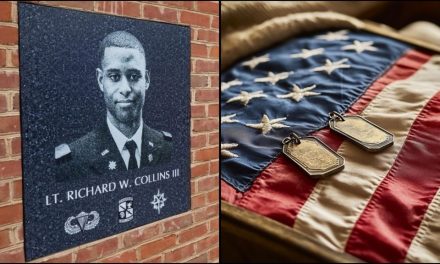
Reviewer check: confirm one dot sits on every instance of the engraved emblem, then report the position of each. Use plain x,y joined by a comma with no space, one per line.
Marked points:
83,221
126,209
158,201
112,165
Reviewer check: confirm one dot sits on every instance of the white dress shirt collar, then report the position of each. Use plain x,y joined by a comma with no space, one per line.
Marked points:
120,140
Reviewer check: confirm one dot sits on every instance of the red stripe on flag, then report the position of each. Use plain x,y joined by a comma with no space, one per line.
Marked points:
393,215
281,189
228,193
402,69
289,186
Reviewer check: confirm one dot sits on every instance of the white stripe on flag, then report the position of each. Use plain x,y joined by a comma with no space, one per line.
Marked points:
425,246
336,202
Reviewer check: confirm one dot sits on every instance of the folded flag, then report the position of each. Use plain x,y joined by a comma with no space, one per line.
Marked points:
293,87
383,206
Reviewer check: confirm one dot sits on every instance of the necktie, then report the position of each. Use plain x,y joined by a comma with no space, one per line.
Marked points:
131,146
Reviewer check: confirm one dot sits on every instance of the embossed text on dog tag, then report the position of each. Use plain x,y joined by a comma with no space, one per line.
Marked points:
312,155
366,134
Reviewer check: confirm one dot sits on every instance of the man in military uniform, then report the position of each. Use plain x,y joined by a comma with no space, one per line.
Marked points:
123,141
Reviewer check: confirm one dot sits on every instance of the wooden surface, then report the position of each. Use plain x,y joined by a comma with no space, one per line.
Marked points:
249,237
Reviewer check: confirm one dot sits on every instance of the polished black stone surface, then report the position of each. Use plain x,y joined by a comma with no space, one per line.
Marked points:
61,101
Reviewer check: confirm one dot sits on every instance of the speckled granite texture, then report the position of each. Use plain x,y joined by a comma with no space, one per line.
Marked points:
61,101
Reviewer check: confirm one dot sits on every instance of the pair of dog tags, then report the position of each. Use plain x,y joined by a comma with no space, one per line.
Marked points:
318,160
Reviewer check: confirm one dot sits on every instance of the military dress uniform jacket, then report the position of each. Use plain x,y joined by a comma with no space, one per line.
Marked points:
96,153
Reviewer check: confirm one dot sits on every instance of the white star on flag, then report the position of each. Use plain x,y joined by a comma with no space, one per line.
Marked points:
227,85
336,35
330,66
245,97
274,78
359,47
158,201
266,125
228,119
305,53
297,93
225,152
255,61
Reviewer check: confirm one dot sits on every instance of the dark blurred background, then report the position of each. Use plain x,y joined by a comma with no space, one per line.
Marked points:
398,14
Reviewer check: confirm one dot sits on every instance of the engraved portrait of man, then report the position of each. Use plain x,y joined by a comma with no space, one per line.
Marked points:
122,141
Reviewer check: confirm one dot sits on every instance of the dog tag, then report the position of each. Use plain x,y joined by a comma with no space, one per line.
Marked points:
359,130
312,155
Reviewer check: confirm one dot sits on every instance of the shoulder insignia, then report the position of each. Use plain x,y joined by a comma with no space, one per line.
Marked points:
105,152
62,150
167,136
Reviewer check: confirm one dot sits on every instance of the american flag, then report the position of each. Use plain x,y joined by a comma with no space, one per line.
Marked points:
383,207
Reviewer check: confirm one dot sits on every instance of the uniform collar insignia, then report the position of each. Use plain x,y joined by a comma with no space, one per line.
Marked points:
112,165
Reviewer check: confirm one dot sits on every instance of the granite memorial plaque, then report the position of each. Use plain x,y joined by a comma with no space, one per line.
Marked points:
105,122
